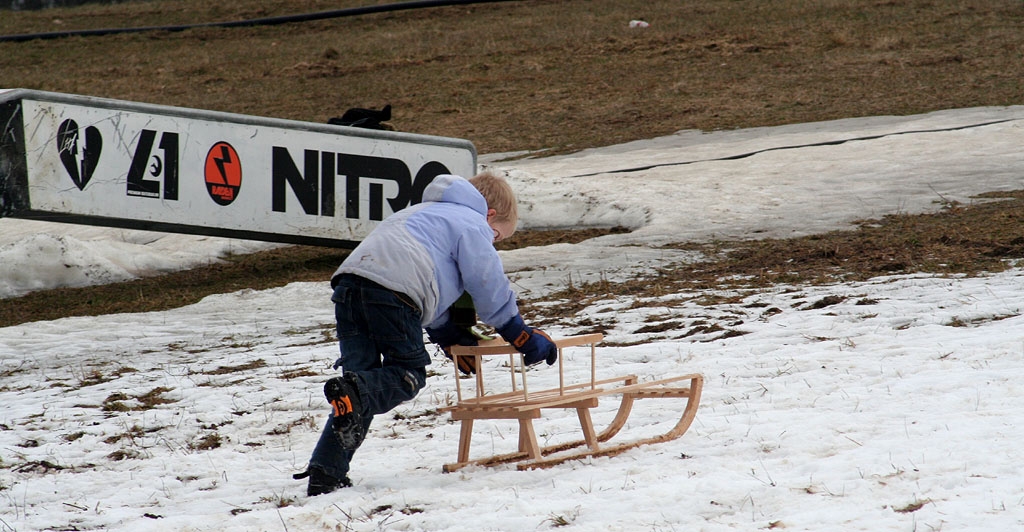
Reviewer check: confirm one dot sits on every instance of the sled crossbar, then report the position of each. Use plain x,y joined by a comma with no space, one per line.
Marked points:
524,405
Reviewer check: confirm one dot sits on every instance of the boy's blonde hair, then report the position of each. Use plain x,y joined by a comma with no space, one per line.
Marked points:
499,196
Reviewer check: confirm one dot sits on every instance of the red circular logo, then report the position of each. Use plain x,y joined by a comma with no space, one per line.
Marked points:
223,173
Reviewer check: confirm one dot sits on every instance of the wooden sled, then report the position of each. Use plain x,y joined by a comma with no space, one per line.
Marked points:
525,405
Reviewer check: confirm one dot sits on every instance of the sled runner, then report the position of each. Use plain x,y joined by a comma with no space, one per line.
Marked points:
525,405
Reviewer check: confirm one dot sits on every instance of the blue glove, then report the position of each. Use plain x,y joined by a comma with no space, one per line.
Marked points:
534,344
449,334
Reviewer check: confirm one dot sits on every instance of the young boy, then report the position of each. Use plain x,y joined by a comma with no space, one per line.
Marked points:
402,278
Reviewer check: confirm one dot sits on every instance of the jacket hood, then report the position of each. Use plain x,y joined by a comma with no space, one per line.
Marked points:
454,189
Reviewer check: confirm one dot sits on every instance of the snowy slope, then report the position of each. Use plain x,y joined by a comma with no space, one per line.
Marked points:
895,407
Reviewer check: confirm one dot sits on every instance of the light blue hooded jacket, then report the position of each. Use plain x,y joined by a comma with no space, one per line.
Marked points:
434,251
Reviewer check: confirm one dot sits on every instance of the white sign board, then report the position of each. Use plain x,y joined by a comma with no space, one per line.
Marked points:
105,162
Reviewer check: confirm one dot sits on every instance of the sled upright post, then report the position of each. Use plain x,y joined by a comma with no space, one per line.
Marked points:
524,406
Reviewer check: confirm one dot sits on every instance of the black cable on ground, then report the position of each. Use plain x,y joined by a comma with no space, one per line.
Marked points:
798,146
267,21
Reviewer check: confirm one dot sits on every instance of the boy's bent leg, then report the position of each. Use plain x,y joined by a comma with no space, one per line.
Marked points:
329,459
384,389
372,321
393,325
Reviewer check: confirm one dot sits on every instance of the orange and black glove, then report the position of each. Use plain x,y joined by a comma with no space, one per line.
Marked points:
447,335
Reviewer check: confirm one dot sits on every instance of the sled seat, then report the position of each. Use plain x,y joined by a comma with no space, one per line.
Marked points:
525,405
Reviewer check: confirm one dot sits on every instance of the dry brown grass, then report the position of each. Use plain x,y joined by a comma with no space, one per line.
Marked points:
987,236
559,76
535,74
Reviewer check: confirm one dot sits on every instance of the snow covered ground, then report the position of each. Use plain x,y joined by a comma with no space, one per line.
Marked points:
891,404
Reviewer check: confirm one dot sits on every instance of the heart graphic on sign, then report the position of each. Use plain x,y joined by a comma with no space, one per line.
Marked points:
80,165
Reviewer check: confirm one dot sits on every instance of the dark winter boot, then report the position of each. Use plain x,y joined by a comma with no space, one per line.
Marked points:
320,482
343,394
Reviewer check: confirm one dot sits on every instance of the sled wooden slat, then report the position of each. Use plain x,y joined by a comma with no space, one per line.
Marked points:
525,406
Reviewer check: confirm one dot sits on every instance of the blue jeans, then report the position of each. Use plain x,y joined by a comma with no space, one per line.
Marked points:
381,342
